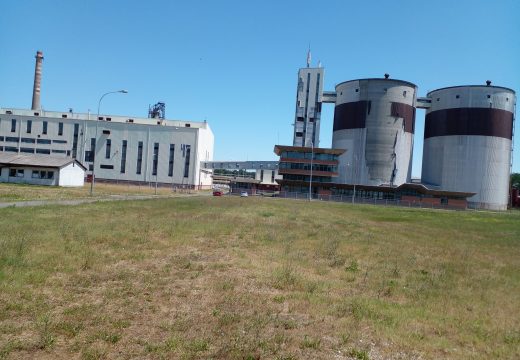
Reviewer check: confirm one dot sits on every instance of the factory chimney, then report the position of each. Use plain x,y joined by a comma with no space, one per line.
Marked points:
37,80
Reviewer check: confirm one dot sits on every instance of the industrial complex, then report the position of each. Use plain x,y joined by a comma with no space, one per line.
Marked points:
467,139
113,148
467,154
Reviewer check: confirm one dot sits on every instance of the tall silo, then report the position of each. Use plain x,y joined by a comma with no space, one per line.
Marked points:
467,142
374,120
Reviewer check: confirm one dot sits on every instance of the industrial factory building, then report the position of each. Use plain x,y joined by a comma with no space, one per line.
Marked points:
467,139
122,148
135,150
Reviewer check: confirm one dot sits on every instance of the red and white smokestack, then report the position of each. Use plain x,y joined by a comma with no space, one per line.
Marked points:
37,80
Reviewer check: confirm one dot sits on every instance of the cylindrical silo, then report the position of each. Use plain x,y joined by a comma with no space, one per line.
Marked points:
468,136
374,120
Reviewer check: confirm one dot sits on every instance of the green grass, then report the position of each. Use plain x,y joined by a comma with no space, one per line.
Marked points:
235,278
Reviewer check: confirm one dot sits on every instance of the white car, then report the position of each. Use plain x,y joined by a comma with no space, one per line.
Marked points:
243,194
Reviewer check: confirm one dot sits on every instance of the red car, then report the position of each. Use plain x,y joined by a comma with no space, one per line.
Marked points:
217,193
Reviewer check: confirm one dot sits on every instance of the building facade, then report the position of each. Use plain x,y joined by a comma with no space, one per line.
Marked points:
308,106
307,169
123,149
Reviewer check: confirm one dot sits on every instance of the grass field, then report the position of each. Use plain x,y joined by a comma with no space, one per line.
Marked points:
247,278
21,192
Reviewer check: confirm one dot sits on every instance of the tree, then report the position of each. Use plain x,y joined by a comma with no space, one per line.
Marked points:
515,180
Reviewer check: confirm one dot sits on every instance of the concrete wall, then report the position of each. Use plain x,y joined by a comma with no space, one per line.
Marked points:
71,175
27,177
378,142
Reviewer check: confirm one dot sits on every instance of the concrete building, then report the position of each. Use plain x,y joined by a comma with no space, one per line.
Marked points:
307,169
374,120
308,106
41,170
468,142
127,149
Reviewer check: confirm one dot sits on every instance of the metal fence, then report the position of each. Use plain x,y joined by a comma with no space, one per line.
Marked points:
369,201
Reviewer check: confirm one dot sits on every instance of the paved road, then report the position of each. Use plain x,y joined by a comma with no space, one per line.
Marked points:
88,200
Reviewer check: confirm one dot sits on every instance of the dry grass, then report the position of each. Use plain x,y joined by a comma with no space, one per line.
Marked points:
21,192
235,278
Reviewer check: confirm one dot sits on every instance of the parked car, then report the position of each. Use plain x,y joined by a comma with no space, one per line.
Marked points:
243,194
217,193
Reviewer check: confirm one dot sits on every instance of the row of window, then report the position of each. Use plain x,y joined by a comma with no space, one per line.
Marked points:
31,140
324,179
36,174
307,155
307,166
89,157
28,150
28,128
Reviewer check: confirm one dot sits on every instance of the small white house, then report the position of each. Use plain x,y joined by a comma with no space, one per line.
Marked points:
41,170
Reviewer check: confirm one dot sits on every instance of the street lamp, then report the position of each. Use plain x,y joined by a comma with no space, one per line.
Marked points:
96,137
310,180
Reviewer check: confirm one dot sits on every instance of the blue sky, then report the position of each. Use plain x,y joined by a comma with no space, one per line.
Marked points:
235,63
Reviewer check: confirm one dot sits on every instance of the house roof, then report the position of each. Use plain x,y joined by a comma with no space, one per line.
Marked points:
46,161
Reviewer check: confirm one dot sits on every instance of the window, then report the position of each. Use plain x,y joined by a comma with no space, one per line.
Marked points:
19,173
272,176
43,141
139,157
457,96
58,151
262,175
170,162
29,126
42,174
59,141
27,150
28,140
13,125
11,149
108,148
11,139
123,157
60,128
75,141
12,172
104,166
187,161
44,129
43,151
155,158
92,150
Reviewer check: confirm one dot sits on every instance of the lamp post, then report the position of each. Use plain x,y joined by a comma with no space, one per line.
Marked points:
96,137
310,180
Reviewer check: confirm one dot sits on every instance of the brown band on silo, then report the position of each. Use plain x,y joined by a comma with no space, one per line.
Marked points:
469,121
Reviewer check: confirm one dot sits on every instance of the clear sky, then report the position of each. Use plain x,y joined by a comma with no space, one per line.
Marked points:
235,63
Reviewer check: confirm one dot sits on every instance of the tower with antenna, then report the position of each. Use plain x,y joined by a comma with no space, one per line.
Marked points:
308,105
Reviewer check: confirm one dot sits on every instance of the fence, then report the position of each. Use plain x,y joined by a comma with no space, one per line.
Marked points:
370,201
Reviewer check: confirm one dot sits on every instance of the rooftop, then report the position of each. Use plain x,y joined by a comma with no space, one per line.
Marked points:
104,117
35,160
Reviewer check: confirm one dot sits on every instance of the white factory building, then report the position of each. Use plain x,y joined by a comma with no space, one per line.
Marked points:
126,149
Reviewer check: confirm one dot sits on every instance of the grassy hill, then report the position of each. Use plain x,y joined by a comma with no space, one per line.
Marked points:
247,278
